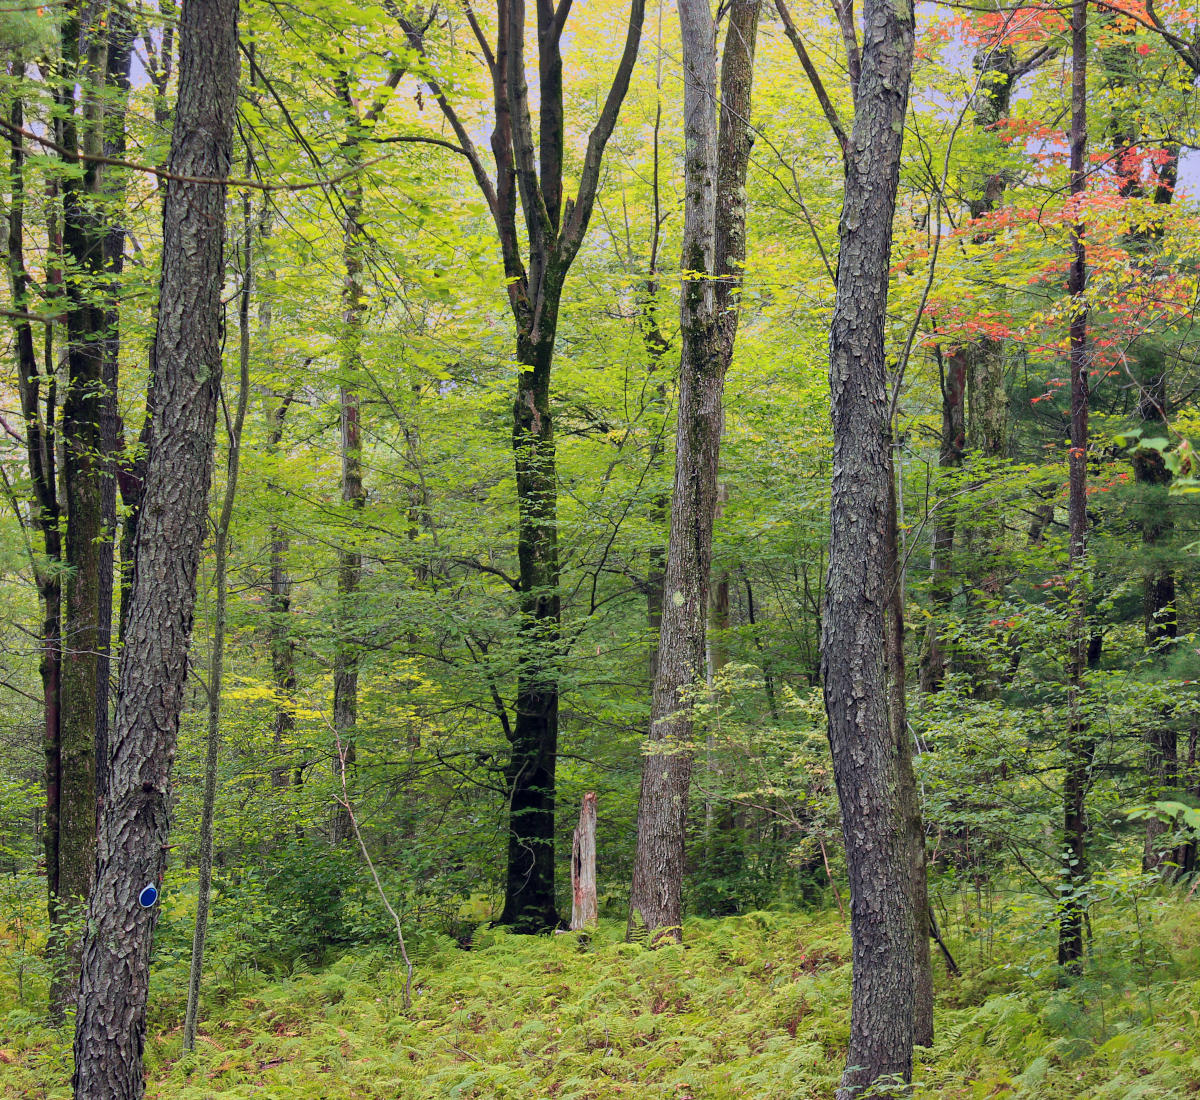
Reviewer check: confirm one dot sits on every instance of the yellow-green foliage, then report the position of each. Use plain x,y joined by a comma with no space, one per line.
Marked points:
753,1006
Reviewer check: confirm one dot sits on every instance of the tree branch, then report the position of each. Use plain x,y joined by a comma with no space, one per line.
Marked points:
577,215
814,78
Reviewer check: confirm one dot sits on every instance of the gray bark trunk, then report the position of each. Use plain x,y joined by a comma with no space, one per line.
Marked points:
132,846
713,244
867,749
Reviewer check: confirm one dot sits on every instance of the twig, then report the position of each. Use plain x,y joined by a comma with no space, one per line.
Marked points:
344,801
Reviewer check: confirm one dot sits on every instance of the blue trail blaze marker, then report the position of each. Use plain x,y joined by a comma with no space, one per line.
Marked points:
148,896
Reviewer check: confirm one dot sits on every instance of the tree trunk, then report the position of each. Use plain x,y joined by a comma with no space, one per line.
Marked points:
283,645
529,904
529,176
713,241
79,129
38,407
941,559
216,665
584,909
132,847
910,799
1160,618
865,747
1079,747
346,659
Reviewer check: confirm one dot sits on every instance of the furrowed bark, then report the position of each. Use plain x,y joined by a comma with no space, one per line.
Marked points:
866,748
132,846
712,255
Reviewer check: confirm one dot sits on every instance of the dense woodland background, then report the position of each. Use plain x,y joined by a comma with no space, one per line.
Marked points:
371,640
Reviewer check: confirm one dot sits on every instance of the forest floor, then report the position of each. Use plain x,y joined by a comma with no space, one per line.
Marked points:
753,1006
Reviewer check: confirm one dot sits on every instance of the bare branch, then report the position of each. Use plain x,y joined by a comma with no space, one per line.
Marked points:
814,78
576,215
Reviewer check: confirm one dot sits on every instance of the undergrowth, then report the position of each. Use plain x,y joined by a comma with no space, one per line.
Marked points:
752,1006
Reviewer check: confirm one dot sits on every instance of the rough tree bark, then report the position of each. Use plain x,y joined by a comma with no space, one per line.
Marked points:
132,845
712,255
1079,746
867,750
529,174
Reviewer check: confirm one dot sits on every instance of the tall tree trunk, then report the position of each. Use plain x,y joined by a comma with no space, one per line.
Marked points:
529,903
529,177
941,559
283,645
38,407
909,794
131,475
132,847
346,658
216,664
656,346
89,437
1079,747
713,241
865,746
1160,617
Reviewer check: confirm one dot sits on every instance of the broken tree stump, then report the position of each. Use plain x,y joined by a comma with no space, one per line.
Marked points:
584,912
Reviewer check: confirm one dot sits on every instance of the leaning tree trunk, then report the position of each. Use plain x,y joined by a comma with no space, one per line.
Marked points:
866,749
132,846
1079,747
713,242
